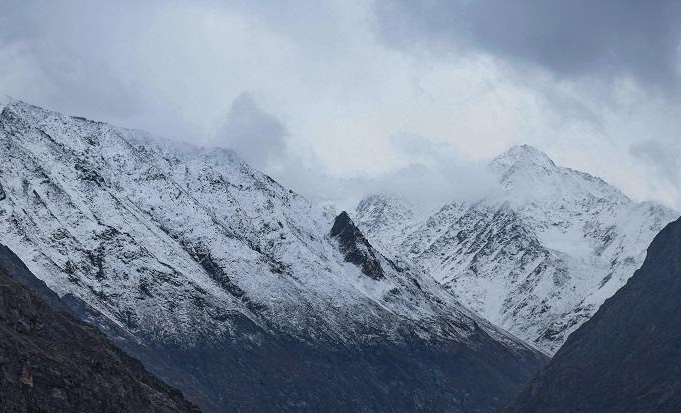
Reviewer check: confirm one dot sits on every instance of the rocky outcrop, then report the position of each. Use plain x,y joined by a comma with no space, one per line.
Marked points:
49,362
626,358
355,247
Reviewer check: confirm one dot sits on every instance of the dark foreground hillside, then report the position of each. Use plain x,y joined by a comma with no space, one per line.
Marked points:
50,362
627,358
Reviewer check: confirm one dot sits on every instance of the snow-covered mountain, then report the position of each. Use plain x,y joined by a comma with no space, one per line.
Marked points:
231,287
536,257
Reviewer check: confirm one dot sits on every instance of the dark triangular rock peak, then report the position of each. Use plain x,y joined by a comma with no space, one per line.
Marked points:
355,247
627,357
342,223
2,193
54,363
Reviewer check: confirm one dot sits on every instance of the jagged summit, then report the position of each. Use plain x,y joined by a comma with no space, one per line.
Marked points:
343,223
523,156
397,204
385,214
528,175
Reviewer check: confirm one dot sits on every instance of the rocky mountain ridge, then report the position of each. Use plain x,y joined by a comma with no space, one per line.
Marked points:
537,257
230,286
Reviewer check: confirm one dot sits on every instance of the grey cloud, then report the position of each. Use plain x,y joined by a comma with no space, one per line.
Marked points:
663,158
257,136
88,87
575,38
68,60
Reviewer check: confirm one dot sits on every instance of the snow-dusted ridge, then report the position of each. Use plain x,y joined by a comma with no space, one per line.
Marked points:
538,257
213,267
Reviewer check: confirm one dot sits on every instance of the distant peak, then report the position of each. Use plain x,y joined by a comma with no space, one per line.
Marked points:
524,148
382,199
523,156
525,152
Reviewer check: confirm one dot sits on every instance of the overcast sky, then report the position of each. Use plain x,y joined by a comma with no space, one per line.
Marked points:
337,98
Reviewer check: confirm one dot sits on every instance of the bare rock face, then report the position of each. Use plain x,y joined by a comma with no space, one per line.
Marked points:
355,247
49,362
627,358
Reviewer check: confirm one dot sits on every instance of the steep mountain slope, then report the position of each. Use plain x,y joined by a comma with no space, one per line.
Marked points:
627,357
537,257
52,363
231,287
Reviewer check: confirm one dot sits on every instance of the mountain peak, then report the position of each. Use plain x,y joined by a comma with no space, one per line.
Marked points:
381,203
341,223
528,170
524,167
523,156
